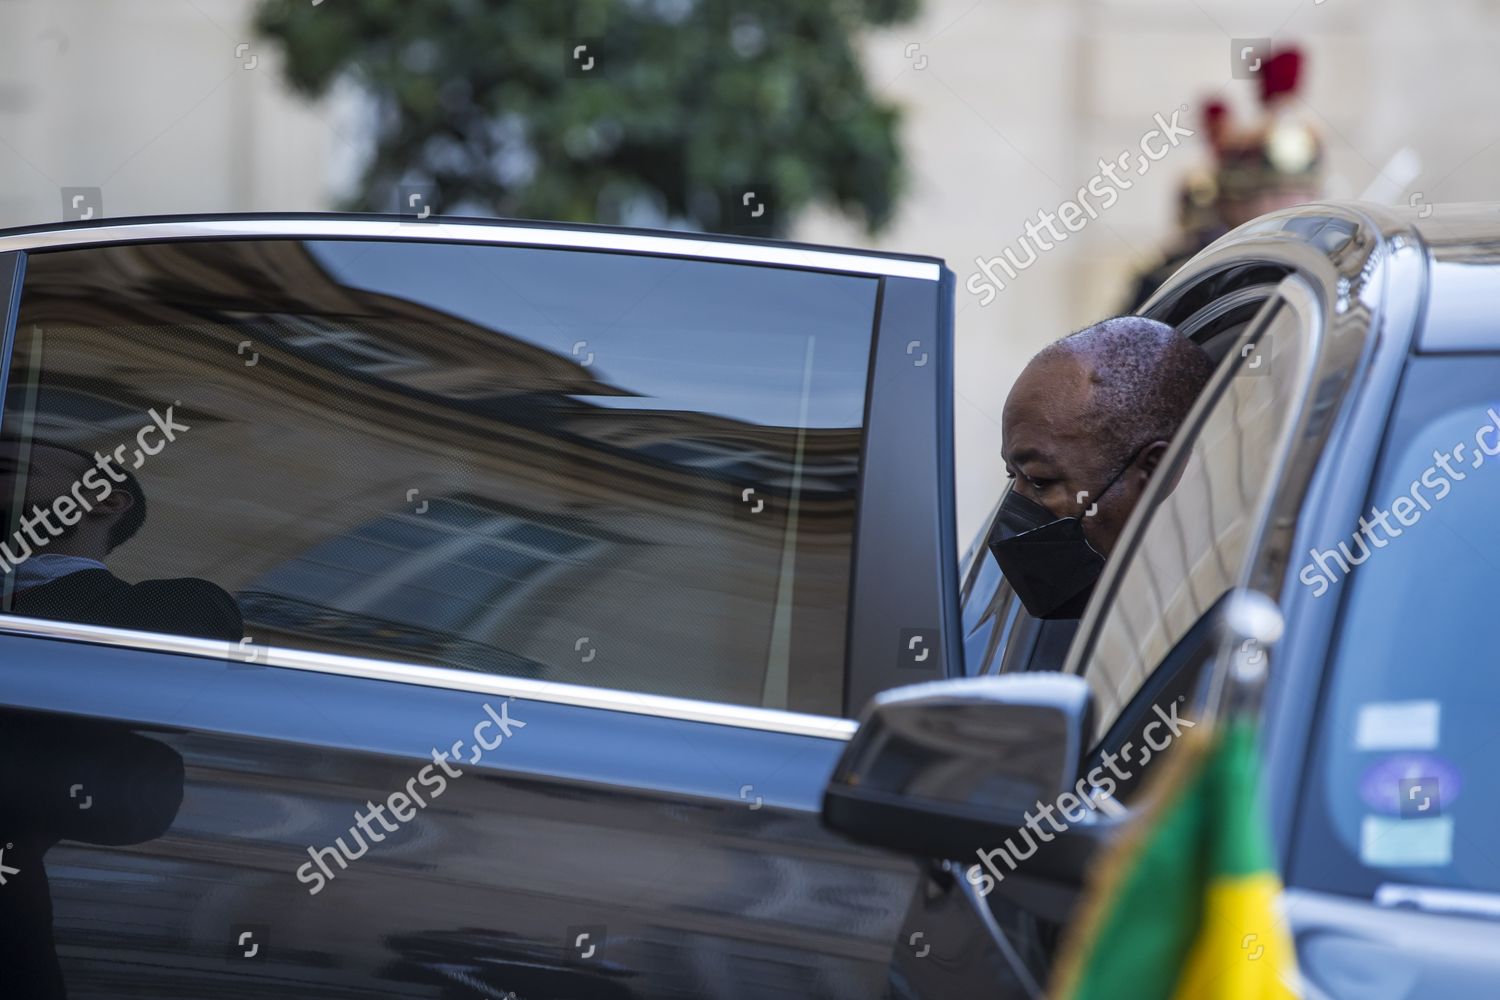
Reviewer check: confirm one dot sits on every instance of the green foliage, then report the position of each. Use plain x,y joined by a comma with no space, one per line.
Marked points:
687,102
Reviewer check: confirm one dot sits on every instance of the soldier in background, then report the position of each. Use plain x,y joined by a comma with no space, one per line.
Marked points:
1277,163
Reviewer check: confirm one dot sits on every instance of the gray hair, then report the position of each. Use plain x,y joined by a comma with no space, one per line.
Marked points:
1144,375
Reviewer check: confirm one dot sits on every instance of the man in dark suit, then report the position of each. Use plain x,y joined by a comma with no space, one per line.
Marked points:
60,572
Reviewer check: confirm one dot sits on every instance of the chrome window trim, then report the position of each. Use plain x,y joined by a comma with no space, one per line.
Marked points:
1220,307
254,656
472,232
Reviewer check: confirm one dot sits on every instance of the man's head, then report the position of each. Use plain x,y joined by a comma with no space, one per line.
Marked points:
1091,416
111,516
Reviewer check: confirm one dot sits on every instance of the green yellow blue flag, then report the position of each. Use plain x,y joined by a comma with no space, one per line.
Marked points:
1186,907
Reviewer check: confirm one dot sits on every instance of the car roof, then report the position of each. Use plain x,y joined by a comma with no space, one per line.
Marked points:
1467,232
1460,246
1463,283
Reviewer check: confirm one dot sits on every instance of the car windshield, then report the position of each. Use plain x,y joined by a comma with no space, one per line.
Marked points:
1404,788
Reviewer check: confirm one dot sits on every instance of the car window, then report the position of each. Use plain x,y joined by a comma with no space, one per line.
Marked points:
624,471
1402,787
1197,516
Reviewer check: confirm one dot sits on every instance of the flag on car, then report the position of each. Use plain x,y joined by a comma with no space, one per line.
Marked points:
1187,905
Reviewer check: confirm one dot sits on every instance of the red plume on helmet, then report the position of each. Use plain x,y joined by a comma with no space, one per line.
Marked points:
1280,74
1216,124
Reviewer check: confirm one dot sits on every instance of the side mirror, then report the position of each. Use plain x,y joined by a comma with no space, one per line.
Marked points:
947,768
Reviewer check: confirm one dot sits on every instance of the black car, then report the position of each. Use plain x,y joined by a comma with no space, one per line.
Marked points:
471,609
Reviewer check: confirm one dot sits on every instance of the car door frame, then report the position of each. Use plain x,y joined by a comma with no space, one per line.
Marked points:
1370,290
1347,259
908,581
1372,283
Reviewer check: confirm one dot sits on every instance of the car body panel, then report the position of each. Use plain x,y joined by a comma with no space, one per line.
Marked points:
905,574
1350,948
691,844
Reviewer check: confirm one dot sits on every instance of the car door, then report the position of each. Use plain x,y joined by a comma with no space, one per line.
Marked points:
425,609
1147,635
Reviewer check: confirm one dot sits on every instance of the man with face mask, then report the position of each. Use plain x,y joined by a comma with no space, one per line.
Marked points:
56,567
1084,427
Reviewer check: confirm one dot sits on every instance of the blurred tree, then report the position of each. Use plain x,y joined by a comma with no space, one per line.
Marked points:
609,110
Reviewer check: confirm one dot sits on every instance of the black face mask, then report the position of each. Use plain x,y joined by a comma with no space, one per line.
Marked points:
1046,559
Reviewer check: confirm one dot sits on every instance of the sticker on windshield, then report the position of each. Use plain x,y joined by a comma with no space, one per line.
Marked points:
1390,842
1410,784
1398,725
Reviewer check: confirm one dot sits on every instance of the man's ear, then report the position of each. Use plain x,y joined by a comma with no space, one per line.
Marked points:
1151,456
118,502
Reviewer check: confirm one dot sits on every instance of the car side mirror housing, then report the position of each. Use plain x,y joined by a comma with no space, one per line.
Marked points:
946,768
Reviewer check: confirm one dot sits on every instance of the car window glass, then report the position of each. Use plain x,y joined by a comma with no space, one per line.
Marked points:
1193,544
624,471
1402,787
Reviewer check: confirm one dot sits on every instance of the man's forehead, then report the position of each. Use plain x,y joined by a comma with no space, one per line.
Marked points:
1050,400
1028,453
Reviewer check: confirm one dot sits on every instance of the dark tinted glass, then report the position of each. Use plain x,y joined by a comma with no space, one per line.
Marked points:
1193,546
631,472
1403,788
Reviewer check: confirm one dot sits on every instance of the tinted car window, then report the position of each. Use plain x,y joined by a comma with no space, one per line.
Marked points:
988,608
1403,786
1193,546
624,471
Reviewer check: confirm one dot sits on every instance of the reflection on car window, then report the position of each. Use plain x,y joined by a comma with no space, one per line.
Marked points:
623,471
1193,547
1403,786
